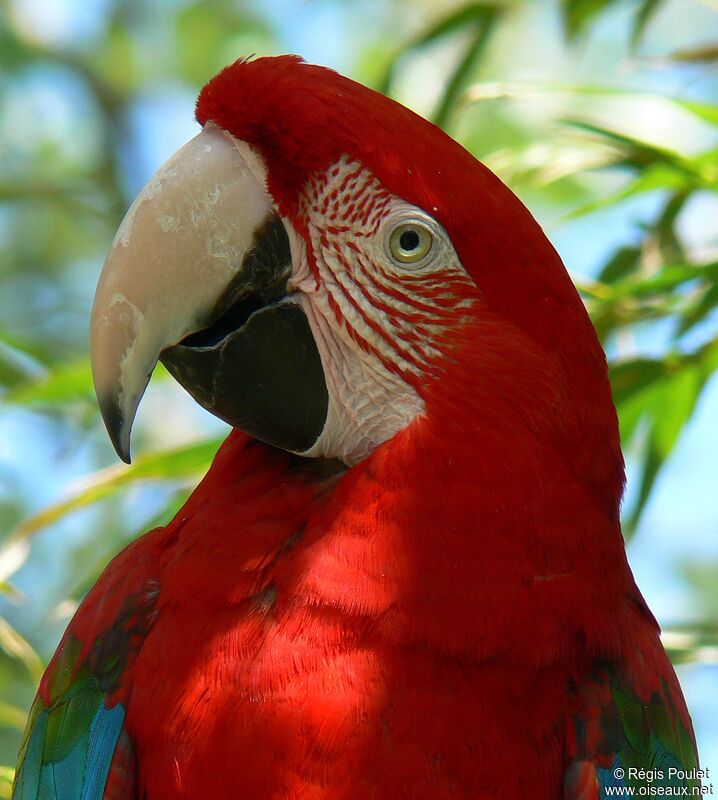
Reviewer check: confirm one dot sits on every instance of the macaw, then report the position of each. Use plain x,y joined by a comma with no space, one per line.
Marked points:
403,575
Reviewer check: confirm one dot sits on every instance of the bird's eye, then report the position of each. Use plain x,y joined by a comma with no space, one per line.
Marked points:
410,242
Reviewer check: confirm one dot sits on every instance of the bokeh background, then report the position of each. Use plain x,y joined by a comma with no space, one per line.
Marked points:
602,115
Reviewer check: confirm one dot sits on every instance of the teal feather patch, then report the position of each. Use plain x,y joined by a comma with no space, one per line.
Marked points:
49,770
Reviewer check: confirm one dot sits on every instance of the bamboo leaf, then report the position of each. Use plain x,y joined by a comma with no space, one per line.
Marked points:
577,14
67,382
16,646
12,717
636,152
477,17
669,278
657,176
680,396
706,303
12,556
621,264
664,227
631,412
679,393
183,463
470,15
693,642
705,111
516,90
459,77
7,775
646,11
706,54
630,377
17,365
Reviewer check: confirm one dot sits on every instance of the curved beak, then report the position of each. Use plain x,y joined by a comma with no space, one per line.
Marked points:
201,246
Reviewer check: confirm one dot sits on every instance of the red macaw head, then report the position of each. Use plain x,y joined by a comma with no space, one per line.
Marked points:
323,268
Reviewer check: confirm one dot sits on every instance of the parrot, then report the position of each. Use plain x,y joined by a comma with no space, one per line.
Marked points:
403,575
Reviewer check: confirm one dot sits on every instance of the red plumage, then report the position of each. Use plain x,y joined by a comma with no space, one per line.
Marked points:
415,627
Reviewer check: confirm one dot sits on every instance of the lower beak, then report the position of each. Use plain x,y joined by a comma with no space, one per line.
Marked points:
197,276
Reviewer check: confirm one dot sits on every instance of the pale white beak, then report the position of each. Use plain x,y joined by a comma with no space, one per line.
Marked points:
181,243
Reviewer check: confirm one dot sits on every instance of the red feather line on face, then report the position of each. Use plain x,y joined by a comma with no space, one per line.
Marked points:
347,205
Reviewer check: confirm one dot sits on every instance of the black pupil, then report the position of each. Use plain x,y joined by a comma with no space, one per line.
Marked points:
409,240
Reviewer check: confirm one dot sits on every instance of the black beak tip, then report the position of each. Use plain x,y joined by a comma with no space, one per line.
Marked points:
117,429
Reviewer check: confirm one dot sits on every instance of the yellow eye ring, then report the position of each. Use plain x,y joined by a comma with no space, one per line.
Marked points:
410,242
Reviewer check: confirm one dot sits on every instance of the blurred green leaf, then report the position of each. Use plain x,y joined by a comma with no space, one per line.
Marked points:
460,76
706,303
706,54
117,66
641,155
203,32
673,290
11,717
622,263
472,15
17,365
668,278
7,775
181,464
650,389
577,14
16,646
67,382
521,90
705,111
630,377
646,11
479,21
657,176
692,642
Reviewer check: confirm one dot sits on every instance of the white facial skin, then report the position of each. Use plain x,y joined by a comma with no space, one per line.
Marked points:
375,309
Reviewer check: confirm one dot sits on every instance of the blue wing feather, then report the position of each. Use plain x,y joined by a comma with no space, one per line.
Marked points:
104,734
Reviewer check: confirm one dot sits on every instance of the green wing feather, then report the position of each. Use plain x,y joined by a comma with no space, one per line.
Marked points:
69,744
76,724
619,740
656,737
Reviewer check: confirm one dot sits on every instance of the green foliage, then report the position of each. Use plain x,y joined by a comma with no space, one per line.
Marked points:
573,149
579,14
183,464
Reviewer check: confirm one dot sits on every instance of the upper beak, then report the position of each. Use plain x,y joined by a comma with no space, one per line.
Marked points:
186,255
